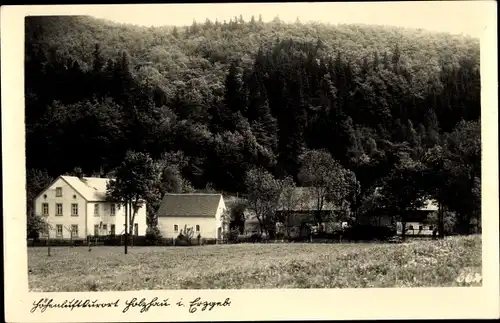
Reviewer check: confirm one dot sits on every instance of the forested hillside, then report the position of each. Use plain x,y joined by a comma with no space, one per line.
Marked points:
215,99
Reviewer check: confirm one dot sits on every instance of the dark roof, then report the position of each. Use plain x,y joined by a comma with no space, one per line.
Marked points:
195,205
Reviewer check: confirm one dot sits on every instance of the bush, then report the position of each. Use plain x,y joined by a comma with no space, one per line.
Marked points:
232,236
368,232
280,236
153,238
209,241
299,238
56,242
182,240
326,235
256,237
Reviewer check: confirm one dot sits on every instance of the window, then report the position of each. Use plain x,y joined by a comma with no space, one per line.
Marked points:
74,209
136,229
105,228
197,228
420,228
96,209
74,230
45,209
410,227
112,211
112,230
58,191
431,227
176,228
59,209
96,229
59,230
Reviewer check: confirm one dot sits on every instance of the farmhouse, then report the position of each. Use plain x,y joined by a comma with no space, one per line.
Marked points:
76,207
297,209
374,212
202,212
417,220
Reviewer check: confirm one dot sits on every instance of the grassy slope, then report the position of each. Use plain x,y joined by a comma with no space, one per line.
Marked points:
415,264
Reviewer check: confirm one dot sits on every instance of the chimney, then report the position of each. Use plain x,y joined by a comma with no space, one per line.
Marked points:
79,173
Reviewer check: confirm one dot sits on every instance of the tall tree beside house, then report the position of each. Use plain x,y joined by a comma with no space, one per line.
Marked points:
329,181
36,181
237,216
462,167
288,202
170,181
344,192
134,183
437,182
263,194
453,173
317,172
403,190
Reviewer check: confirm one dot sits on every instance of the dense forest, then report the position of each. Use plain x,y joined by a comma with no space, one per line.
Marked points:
213,100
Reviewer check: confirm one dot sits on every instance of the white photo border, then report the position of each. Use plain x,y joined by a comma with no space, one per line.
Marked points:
278,304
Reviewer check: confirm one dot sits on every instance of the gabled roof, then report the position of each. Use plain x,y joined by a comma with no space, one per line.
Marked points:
371,202
91,188
429,205
189,205
306,200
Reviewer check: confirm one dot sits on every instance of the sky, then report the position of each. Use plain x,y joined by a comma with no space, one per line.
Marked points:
456,17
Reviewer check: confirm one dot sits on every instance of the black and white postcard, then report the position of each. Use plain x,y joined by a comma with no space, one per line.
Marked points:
257,161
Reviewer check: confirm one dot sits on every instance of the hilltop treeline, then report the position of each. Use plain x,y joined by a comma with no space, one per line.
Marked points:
216,99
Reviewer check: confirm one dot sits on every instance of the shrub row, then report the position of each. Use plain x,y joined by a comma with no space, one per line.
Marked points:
355,233
119,241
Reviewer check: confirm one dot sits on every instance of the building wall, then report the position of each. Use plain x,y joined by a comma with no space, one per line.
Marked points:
118,219
219,225
208,226
69,197
427,229
376,219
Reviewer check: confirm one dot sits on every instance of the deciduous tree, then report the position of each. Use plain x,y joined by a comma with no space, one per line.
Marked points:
263,194
133,184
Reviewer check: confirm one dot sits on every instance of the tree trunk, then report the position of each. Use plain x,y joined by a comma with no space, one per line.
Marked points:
126,227
131,222
48,245
440,220
403,230
287,224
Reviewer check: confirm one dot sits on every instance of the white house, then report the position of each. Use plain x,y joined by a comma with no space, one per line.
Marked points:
77,207
201,212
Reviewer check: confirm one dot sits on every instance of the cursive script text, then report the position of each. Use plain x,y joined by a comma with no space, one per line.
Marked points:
45,303
144,304
198,303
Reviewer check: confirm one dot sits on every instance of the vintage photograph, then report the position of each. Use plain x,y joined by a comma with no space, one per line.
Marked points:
260,149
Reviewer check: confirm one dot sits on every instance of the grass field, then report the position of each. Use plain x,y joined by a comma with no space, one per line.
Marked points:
413,264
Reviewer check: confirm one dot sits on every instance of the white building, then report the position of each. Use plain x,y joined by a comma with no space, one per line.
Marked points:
77,207
201,212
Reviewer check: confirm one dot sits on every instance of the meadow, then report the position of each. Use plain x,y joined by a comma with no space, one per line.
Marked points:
294,265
